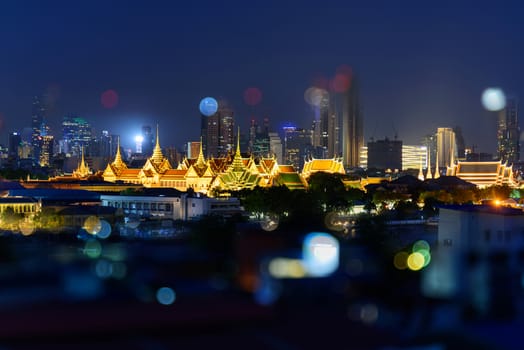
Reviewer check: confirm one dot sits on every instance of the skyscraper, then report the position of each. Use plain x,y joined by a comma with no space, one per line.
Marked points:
508,133
385,154
217,133
297,145
38,126
46,151
148,142
352,127
15,141
76,134
338,127
446,147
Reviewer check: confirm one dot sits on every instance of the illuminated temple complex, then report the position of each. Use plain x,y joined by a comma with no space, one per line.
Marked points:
204,176
483,174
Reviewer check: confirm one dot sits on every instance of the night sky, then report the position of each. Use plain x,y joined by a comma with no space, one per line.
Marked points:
420,64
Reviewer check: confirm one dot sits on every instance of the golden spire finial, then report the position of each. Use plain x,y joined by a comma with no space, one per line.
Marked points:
157,152
238,142
118,158
237,164
201,161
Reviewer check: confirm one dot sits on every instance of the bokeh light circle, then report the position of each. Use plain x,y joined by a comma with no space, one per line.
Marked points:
252,96
92,225
314,96
208,106
401,260
369,313
416,261
105,230
109,99
493,99
340,83
420,245
320,253
103,268
336,221
269,222
165,296
119,270
27,227
93,249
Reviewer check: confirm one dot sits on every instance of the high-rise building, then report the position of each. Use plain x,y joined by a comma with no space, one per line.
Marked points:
297,145
46,151
259,145
148,141
338,126
461,145
76,134
217,132
508,133
275,146
446,147
413,157
38,125
385,154
14,143
352,126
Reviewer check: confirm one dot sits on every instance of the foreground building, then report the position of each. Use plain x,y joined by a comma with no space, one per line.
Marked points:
479,259
172,204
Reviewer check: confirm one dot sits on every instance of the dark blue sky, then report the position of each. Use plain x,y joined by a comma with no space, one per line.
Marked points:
420,64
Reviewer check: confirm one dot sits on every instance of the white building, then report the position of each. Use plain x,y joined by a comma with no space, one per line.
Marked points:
181,207
479,259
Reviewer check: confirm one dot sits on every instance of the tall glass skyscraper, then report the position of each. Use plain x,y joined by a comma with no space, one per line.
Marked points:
508,132
218,134
339,127
38,126
76,134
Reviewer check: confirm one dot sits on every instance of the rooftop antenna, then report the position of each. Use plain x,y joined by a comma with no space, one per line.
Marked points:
394,130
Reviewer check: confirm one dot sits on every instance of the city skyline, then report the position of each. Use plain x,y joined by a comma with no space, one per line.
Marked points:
419,68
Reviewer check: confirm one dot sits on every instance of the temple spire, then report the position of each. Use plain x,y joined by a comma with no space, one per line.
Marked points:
238,143
429,174
420,173
437,171
238,165
157,152
118,158
201,160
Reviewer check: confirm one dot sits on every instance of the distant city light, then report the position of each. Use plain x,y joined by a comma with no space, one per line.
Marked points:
208,106
138,141
493,99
